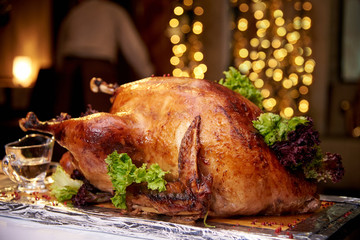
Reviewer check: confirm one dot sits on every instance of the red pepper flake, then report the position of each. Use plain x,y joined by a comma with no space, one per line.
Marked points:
65,203
278,230
291,236
16,196
254,222
263,223
3,193
47,197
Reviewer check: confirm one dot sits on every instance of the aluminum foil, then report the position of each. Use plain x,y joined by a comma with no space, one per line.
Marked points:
41,209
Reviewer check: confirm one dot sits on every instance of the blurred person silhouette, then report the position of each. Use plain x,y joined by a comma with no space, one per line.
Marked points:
89,42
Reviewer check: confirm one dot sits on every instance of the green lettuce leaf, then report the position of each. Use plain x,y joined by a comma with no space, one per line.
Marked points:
239,83
274,128
123,173
64,187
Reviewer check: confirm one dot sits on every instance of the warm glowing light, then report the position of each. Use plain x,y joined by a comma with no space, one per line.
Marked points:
261,32
178,10
287,83
297,22
174,22
265,43
276,55
243,24
293,37
307,6
22,70
289,47
288,112
263,24
203,67
280,54
174,60
265,93
307,79
199,11
243,53
198,56
269,103
276,43
244,7
176,72
245,67
175,39
281,31
299,60
262,56
258,65
254,42
356,132
294,78
253,55
258,14
307,51
272,63
304,90
259,83
188,2
253,76
306,23
179,50
279,21
197,27
269,72
297,6
303,106
309,66
278,13
277,75
198,72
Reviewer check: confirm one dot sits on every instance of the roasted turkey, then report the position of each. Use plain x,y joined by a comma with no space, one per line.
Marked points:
197,130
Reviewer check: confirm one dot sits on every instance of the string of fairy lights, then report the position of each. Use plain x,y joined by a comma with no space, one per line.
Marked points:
271,44
185,31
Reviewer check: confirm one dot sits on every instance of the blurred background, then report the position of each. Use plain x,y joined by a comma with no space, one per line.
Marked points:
303,55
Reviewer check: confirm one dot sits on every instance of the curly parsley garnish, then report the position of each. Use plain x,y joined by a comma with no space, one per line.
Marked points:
123,173
239,83
297,146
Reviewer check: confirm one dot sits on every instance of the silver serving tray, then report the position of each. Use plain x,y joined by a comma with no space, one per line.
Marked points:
320,225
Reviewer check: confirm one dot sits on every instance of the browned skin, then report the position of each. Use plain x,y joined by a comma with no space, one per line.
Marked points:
197,130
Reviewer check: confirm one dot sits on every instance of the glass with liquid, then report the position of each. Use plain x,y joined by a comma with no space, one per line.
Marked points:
27,161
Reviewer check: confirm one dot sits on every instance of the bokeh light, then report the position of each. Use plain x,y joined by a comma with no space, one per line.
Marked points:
271,43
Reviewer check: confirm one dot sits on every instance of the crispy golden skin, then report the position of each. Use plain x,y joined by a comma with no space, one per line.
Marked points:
199,131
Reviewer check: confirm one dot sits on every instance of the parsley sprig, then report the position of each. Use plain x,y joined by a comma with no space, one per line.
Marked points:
123,173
